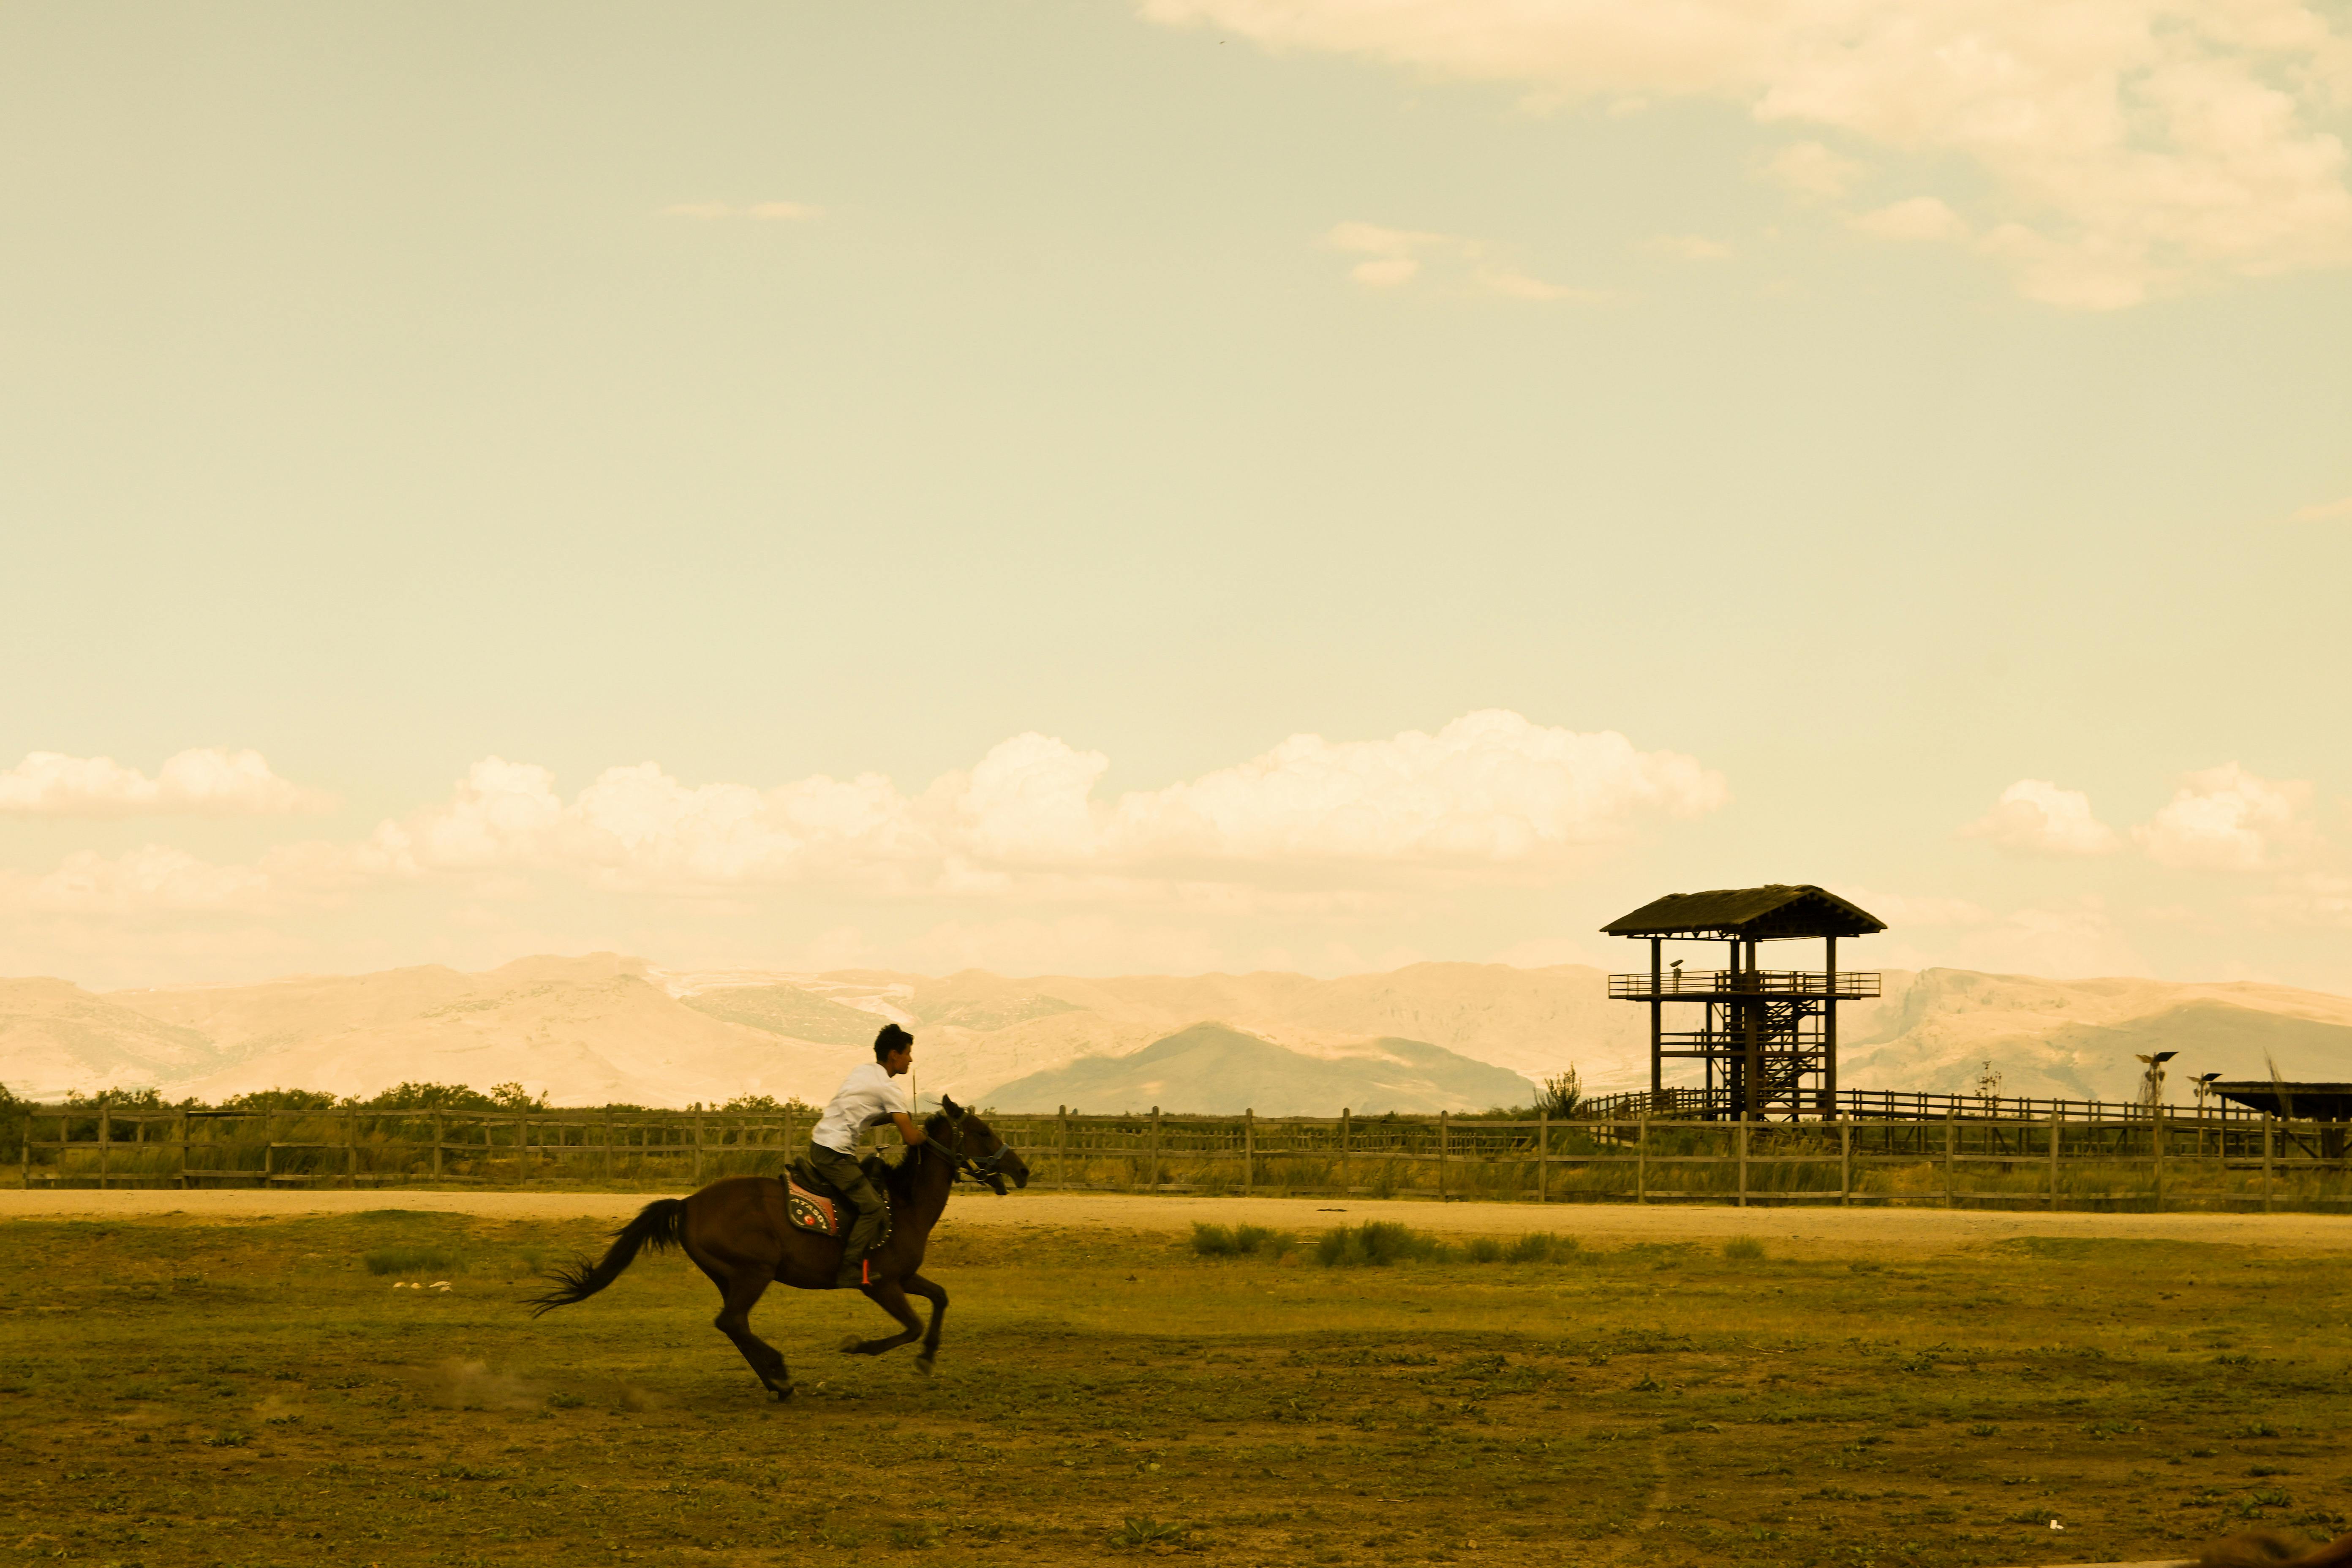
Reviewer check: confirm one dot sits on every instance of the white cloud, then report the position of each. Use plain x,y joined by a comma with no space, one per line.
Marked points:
1810,170
1395,256
2034,816
2114,150
1490,786
1489,789
207,780
1921,217
2226,819
2328,513
1687,248
151,879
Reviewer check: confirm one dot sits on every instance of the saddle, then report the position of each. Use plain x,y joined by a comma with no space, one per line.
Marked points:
816,1204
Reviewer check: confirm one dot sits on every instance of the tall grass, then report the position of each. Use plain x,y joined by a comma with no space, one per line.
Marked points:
1241,1241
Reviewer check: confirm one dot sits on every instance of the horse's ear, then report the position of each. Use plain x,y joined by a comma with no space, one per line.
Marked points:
947,1104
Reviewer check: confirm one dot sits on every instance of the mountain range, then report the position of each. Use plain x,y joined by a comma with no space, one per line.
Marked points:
604,1028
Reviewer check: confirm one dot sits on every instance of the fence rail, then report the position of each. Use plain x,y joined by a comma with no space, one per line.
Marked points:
2046,1162
1702,1104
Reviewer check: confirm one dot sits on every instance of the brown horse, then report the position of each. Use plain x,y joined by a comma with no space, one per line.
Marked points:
2262,1549
736,1232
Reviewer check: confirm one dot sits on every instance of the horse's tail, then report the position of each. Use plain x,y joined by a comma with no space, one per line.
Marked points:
657,1223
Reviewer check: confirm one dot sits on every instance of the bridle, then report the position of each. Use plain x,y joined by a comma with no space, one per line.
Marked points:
979,1167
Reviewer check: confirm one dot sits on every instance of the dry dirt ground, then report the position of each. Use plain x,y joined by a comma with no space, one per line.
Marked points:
230,1378
1616,1223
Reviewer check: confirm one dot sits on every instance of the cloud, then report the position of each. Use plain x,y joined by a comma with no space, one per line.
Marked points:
2328,513
1396,257
1491,789
1921,217
1687,248
1490,786
1810,170
2035,816
2226,819
208,781
2113,150
153,878
763,212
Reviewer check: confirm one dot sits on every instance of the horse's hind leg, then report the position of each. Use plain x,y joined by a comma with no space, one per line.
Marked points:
938,1298
743,1288
892,1299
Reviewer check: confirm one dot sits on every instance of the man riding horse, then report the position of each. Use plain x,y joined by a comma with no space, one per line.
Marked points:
866,1098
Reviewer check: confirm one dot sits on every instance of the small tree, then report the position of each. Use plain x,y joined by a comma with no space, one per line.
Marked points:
1561,1096
514,1096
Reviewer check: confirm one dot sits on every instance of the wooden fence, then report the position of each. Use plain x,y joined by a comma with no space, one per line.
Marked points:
2173,1160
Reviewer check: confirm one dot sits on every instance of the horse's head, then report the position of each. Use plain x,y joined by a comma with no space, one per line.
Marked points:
976,1147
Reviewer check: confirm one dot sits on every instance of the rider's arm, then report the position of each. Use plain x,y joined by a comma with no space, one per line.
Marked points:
906,1128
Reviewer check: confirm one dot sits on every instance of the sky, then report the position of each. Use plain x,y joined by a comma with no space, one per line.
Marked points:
1080,486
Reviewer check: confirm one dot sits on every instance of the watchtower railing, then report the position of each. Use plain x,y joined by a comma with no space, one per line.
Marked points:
1700,984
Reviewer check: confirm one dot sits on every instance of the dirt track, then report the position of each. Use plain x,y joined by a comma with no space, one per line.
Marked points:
1617,1223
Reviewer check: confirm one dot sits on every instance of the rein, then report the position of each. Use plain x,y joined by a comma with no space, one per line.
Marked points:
979,1167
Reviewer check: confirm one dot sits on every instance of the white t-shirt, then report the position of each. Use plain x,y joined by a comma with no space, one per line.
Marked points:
866,1098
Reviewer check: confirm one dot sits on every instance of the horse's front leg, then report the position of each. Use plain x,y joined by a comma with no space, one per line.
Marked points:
891,1296
939,1301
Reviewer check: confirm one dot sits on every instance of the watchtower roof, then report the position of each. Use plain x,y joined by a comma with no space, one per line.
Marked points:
1775,910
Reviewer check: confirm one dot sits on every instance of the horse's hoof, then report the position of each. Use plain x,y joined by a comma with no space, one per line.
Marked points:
783,1396
852,1346
923,1364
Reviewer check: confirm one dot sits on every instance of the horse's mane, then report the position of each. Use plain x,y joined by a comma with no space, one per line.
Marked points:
901,1178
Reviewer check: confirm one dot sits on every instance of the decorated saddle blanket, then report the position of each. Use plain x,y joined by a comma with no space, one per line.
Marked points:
812,1204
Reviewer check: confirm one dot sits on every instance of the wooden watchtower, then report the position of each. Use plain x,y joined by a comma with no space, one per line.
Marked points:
1768,1037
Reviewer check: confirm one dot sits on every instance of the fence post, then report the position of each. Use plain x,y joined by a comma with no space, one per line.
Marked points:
1845,1164
2155,1137
1249,1149
179,1136
1062,1149
2054,1126
2267,1141
1743,1156
1951,1131
1155,1149
1347,1126
698,1148
1641,1159
1543,1155
268,1153
351,1151
436,1145
1444,1139
105,1141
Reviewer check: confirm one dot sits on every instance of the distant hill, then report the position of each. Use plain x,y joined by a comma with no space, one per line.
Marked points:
1210,1069
590,1030
601,1027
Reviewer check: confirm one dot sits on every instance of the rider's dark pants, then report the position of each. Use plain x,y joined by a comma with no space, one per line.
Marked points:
849,1177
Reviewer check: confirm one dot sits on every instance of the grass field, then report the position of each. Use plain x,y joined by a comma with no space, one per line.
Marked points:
258,1393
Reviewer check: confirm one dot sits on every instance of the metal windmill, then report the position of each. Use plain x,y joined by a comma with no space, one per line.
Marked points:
2204,1081
2151,1091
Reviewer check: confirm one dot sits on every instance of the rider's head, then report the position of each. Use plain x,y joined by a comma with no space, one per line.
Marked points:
894,1047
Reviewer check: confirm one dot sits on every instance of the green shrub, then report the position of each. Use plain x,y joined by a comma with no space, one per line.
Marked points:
1539,1247
411,1259
1485,1249
1376,1243
1743,1249
1241,1241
